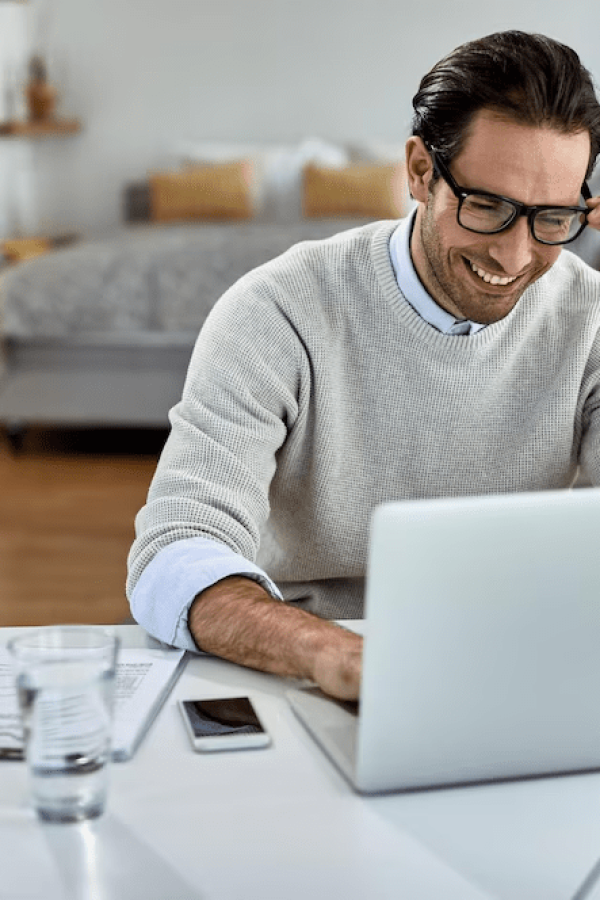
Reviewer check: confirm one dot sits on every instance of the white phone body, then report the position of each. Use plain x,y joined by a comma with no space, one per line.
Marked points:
223,723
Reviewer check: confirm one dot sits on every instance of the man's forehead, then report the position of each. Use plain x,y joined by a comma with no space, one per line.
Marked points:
541,163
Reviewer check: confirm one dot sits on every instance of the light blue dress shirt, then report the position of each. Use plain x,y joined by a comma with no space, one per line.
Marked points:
179,572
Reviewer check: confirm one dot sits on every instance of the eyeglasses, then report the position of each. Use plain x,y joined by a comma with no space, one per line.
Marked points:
486,213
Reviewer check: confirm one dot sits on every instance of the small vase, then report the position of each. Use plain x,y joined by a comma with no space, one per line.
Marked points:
39,94
41,99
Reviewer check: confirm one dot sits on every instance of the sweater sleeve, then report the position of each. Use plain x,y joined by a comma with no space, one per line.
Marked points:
590,442
240,399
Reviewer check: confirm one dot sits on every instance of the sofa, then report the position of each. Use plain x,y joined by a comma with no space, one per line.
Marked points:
98,333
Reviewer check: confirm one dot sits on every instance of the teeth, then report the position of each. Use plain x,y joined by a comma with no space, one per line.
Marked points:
491,279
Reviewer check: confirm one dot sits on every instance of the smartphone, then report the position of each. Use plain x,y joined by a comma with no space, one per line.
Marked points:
226,723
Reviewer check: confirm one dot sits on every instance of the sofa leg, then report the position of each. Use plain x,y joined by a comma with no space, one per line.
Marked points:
15,434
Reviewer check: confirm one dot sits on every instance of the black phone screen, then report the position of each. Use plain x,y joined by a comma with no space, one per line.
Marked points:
230,715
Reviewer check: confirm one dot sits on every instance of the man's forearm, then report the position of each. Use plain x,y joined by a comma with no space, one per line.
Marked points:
238,620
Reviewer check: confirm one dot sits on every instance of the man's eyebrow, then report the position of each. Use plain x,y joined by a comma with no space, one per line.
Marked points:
584,192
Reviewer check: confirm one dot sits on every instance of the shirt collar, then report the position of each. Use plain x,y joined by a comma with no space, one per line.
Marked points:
413,290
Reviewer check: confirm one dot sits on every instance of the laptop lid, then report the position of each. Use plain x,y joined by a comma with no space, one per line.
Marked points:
482,644
482,655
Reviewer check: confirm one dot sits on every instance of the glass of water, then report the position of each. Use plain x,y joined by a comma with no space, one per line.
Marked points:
66,684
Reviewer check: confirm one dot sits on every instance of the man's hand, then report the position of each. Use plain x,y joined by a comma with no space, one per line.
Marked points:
238,620
337,670
594,216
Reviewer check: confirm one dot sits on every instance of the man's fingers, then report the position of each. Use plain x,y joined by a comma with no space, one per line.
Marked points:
338,669
594,216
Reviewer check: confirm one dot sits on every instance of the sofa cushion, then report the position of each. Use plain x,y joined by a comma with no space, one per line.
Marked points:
220,191
277,167
360,189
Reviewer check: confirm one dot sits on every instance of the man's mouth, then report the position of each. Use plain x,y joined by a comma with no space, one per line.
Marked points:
490,278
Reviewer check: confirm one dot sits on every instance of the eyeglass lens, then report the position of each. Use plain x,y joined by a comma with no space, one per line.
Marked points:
484,214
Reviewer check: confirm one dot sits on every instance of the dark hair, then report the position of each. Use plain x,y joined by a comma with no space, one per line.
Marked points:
530,78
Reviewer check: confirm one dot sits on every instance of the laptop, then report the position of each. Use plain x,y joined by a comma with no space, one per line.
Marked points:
482,645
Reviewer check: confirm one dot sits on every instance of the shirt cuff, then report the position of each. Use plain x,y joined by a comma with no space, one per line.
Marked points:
171,581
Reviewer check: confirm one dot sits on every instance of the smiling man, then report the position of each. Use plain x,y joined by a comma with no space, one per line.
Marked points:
481,276
454,352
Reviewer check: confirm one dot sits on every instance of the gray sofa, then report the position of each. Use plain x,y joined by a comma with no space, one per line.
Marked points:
100,333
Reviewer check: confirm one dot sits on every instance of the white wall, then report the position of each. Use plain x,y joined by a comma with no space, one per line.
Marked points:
145,75
16,199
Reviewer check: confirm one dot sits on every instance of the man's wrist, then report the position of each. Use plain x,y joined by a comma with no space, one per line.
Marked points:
229,589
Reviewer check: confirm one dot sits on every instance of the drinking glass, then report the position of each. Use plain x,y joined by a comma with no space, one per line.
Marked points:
65,678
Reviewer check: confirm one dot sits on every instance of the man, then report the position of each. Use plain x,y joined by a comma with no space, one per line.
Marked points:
455,352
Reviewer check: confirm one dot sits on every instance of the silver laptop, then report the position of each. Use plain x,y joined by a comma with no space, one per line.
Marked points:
482,645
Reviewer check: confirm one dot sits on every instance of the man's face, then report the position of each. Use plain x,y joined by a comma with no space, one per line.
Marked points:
536,166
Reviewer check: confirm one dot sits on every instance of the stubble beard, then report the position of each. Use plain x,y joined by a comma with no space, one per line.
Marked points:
460,296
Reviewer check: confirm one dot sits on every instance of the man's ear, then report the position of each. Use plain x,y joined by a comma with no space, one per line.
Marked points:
419,168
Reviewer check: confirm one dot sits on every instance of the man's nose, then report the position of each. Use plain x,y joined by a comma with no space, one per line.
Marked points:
513,249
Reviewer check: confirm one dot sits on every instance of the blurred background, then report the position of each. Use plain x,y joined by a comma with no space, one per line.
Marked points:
144,76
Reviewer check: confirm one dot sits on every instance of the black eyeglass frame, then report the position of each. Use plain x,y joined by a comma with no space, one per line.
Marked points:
520,209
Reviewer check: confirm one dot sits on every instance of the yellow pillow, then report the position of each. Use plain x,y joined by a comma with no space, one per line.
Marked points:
19,249
360,189
220,191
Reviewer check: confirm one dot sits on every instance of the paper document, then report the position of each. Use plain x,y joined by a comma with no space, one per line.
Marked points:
144,680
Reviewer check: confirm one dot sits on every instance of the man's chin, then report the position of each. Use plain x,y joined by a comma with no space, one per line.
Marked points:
489,316
490,304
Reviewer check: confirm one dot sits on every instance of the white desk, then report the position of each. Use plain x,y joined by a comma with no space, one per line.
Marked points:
282,824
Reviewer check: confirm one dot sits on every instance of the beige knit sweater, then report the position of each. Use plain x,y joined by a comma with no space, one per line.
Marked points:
316,392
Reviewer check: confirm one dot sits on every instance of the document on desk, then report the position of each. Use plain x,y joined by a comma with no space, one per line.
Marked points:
145,677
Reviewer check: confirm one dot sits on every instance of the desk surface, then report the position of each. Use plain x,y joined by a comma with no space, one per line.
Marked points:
281,823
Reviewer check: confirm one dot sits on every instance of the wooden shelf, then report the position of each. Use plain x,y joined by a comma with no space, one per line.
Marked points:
45,128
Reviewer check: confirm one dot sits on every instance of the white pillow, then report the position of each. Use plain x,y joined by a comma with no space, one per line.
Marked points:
377,151
278,169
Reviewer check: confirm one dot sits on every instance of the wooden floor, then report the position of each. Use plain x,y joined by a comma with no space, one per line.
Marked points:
67,505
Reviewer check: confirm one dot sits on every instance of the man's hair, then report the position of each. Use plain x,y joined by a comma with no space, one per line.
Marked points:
529,78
